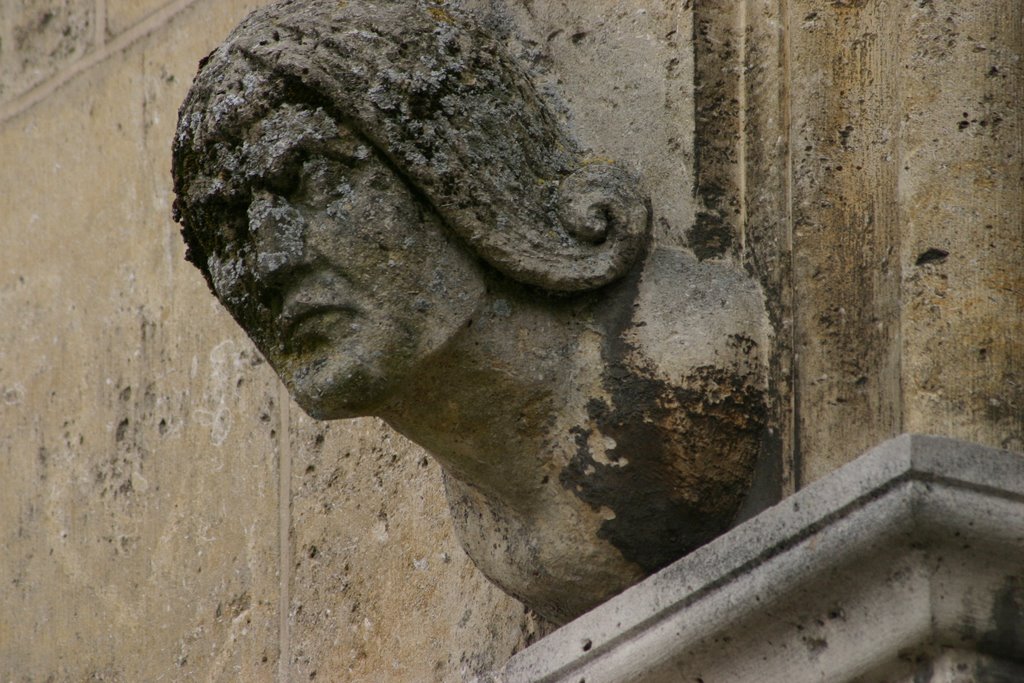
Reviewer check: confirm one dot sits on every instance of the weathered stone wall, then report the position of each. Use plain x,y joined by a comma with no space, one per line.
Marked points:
165,512
871,173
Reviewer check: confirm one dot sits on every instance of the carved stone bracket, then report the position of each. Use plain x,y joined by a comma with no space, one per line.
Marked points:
384,201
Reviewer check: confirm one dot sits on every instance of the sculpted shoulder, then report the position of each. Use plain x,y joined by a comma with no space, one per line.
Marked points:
692,314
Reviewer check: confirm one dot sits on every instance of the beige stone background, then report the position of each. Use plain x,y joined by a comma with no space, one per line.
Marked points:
166,513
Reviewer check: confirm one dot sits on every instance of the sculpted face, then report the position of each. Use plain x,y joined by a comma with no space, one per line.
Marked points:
356,277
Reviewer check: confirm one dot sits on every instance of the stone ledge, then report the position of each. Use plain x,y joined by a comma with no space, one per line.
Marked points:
905,565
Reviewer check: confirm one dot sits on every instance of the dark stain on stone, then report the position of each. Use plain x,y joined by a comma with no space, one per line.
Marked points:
654,524
991,670
815,646
766,481
43,457
925,671
1006,638
239,604
710,236
122,430
931,256
666,498
844,136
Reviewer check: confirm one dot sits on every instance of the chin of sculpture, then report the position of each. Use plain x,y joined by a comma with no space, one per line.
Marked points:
380,198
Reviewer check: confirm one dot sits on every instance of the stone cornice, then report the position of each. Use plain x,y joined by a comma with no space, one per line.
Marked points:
876,572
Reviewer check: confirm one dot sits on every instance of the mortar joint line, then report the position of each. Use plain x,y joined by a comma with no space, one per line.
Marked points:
103,51
785,46
284,534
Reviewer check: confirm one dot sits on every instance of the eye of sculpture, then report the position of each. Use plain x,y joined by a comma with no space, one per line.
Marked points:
380,198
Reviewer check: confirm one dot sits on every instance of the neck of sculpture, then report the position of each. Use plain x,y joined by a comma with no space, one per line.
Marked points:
491,404
586,427
505,409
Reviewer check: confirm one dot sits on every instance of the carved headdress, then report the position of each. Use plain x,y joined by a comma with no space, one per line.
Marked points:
449,109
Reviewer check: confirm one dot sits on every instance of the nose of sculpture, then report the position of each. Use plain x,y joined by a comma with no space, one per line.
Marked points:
278,233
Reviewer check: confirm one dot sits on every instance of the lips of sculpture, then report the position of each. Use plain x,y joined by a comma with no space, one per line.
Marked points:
317,310
333,336
309,326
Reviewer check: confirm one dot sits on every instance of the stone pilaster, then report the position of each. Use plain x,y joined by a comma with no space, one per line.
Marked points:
881,166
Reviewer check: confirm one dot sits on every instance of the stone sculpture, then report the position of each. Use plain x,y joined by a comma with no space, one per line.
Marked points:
379,196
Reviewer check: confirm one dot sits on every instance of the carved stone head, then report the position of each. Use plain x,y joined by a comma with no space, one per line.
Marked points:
382,200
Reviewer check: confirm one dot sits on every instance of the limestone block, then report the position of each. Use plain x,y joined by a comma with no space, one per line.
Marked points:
40,37
123,14
878,172
908,276
962,216
902,566
845,230
380,587
139,513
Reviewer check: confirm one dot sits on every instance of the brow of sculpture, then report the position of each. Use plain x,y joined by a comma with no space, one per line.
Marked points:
381,199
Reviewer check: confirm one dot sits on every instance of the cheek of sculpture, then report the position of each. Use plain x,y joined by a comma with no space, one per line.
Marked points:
360,280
